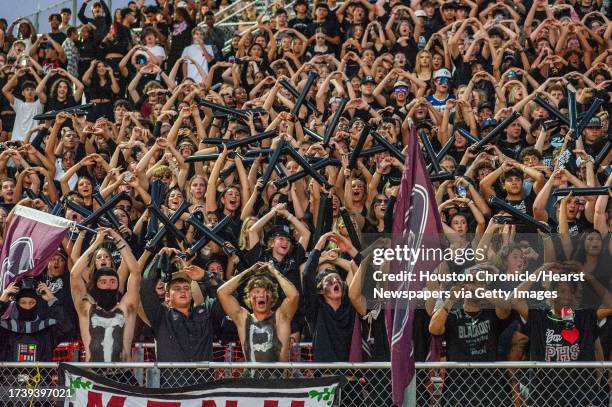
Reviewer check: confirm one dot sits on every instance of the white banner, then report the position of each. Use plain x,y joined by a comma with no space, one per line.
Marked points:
91,390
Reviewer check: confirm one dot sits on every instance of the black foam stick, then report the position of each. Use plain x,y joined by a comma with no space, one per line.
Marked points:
313,134
154,241
359,146
505,206
597,102
307,167
227,246
110,214
201,157
331,127
442,176
295,93
220,226
603,153
210,140
550,109
392,149
222,108
495,132
53,113
372,150
348,224
430,151
325,207
469,137
57,208
213,157
166,222
303,173
157,197
226,172
84,212
572,110
107,206
231,144
273,160
261,151
300,99
582,191
31,194
444,150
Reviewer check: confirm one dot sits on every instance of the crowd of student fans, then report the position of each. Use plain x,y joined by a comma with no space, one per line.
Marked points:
439,67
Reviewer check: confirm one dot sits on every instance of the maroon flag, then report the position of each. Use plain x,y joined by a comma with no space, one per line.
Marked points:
416,224
31,239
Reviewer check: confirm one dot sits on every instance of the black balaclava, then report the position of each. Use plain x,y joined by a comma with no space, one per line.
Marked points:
26,314
105,298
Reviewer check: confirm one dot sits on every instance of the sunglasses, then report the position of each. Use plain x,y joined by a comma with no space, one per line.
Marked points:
379,201
442,81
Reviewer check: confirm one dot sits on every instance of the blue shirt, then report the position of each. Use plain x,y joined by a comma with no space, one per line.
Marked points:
439,104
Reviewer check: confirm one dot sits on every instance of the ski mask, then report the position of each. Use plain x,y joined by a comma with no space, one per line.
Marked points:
26,314
105,298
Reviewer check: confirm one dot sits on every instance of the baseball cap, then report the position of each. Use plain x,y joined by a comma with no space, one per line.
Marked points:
420,13
484,105
400,86
488,123
442,73
281,230
366,79
594,122
243,128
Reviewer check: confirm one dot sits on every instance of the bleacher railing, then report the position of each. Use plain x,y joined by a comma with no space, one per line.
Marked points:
499,384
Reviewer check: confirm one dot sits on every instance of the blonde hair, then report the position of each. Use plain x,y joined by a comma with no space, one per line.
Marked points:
244,232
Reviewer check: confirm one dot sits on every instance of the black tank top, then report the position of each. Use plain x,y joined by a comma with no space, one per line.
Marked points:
261,343
106,330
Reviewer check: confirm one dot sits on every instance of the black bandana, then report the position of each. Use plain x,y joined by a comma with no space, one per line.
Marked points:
105,299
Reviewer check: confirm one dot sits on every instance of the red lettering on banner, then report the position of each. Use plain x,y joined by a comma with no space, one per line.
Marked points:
211,403
297,403
151,403
94,399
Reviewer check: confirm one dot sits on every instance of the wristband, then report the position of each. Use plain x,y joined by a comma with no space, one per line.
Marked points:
358,258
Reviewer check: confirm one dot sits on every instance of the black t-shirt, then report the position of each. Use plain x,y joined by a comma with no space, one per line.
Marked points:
551,340
524,205
512,149
300,25
330,27
58,37
54,104
472,337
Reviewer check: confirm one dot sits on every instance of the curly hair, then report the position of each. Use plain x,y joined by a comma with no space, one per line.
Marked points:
260,282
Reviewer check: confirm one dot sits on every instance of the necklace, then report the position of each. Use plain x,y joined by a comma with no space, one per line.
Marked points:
473,320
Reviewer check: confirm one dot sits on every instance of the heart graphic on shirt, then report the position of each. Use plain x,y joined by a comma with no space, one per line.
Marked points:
570,335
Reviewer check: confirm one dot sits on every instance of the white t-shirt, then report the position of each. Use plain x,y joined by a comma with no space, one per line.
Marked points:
24,117
195,52
59,173
155,50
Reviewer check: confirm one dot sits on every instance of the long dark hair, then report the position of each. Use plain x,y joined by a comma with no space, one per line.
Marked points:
56,85
579,252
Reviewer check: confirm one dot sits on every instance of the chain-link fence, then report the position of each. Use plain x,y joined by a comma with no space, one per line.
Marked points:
501,384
